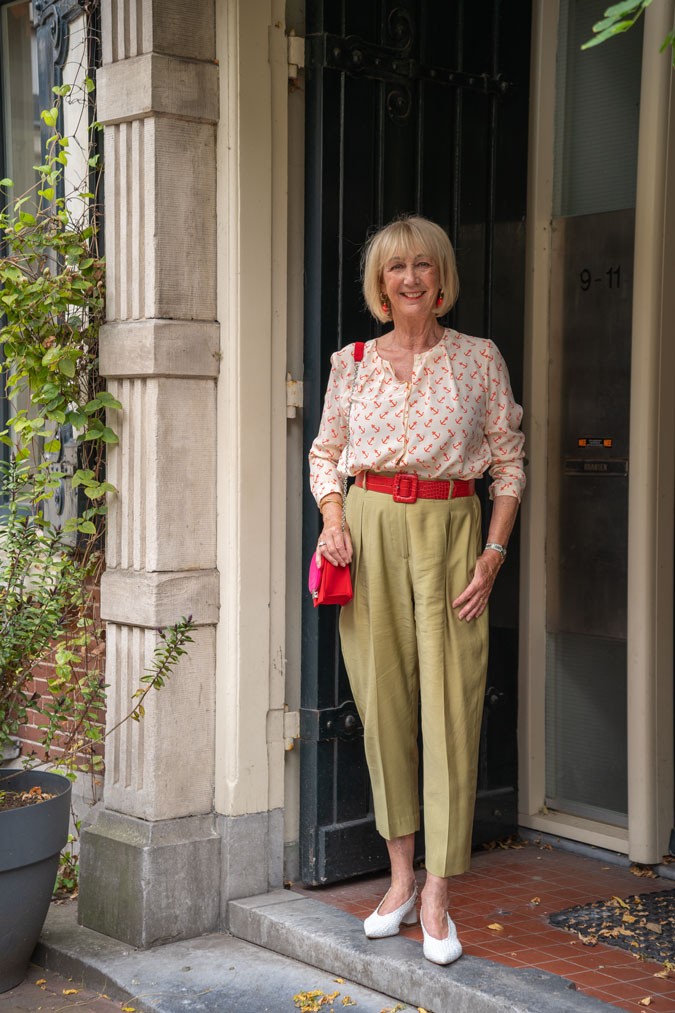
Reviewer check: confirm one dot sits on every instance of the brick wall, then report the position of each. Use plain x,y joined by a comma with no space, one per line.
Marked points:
30,734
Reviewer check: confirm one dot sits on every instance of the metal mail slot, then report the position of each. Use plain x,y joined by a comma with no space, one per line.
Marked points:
603,468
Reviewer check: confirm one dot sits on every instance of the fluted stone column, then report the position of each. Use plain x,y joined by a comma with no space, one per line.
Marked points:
150,864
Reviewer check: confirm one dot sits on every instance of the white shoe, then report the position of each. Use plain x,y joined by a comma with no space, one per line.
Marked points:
442,951
376,926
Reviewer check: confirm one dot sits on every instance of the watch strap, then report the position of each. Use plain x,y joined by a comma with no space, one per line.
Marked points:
499,548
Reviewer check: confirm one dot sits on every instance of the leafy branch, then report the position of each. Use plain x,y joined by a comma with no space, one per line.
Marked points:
619,18
167,654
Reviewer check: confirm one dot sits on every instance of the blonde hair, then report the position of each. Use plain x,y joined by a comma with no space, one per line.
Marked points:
408,236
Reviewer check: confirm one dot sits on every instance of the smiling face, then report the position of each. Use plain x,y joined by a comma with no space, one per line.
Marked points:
411,284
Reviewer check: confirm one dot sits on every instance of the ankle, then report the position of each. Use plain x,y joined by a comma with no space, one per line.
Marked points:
403,883
435,899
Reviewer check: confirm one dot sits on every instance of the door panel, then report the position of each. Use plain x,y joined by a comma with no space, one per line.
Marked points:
417,106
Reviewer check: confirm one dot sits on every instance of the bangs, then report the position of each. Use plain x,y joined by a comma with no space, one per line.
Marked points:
405,240
408,237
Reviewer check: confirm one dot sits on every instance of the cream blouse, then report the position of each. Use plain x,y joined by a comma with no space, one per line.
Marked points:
455,419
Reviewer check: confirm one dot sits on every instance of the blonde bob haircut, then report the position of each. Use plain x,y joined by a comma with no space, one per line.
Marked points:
409,236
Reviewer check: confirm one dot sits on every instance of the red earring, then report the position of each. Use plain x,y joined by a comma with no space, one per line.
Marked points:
439,301
385,304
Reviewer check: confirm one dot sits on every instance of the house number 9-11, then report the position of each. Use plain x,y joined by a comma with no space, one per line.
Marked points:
611,277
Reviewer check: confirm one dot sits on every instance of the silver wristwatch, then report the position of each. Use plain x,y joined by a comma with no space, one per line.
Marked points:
498,547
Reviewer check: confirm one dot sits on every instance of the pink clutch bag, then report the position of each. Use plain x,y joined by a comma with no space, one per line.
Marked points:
328,584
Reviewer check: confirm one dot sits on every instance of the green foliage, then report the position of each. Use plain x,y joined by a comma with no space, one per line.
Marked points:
52,295
45,612
68,876
52,299
619,18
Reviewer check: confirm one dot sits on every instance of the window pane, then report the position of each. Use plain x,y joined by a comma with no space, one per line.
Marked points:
20,98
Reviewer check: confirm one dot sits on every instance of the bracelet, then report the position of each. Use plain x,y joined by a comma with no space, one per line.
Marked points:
499,548
332,497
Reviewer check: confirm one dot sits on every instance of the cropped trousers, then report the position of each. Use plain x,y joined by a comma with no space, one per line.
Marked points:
406,650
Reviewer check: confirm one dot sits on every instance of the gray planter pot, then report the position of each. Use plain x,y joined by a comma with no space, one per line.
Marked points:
31,839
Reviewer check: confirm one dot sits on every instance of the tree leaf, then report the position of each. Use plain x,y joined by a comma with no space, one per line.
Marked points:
67,367
625,7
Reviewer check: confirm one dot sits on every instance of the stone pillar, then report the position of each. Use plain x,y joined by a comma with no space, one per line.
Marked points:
150,864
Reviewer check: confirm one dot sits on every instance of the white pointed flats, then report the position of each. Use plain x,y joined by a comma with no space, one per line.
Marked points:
376,926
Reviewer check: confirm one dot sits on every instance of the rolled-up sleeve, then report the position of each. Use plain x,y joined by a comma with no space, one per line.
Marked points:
502,430
324,455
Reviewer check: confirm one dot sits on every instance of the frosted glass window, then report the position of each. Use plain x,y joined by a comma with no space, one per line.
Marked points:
586,770
597,107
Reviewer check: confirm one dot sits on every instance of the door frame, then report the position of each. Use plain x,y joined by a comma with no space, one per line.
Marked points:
650,525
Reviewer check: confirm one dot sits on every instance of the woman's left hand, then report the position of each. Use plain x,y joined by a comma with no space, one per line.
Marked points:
474,598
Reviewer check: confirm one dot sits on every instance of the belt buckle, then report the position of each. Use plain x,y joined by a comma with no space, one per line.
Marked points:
409,493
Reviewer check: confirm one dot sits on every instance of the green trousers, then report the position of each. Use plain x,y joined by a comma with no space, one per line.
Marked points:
403,643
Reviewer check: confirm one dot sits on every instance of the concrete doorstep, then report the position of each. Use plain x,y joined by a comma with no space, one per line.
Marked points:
281,944
328,938
213,973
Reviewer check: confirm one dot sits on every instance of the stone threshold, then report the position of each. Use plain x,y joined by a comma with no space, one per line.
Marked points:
332,940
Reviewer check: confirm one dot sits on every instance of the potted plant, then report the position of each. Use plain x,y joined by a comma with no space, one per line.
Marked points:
52,297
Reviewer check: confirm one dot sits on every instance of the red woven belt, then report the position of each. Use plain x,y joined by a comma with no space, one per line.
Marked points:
406,487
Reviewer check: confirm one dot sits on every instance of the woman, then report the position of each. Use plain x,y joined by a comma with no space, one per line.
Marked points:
431,411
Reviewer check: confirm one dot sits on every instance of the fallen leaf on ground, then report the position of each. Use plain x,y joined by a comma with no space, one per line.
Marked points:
647,1001
588,940
629,918
339,981
347,1001
311,1002
536,900
70,991
41,981
128,1009
645,871
654,927
496,927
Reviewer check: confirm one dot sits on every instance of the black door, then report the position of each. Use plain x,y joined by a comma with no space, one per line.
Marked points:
412,106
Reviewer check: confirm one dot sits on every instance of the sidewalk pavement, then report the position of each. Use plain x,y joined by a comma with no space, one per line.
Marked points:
216,972
284,943
50,992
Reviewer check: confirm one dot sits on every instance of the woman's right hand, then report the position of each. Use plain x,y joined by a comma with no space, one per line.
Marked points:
334,544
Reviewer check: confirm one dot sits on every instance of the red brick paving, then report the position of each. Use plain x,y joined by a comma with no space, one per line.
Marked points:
50,997
500,887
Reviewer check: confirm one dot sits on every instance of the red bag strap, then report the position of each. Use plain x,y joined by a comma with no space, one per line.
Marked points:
358,350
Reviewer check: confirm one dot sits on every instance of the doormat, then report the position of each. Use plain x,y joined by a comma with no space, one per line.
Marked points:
643,923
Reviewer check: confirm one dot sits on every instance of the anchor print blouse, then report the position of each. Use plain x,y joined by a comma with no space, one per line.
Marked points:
456,418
